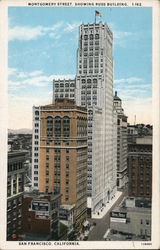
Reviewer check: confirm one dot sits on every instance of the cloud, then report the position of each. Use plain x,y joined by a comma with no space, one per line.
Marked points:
27,33
71,27
34,78
129,80
120,36
11,71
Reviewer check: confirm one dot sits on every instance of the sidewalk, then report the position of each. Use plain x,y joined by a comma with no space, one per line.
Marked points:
102,211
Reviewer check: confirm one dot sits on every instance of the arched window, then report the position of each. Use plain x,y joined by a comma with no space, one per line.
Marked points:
66,126
97,36
49,126
91,36
57,126
89,81
36,112
94,80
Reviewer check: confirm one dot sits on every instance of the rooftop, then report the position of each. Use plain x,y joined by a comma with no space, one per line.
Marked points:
144,140
64,103
134,204
41,196
67,207
116,97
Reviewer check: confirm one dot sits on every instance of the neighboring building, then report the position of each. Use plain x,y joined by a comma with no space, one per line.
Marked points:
15,188
66,217
94,87
62,154
122,175
132,218
140,167
41,216
35,146
63,89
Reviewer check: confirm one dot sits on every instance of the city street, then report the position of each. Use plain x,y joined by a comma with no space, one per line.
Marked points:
97,233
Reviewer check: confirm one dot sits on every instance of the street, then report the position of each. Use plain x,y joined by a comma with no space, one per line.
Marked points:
97,233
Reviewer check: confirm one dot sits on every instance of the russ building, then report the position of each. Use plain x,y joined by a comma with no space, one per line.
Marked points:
94,90
60,154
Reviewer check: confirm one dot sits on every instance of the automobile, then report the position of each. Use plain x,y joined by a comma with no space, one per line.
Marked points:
85,238
129,237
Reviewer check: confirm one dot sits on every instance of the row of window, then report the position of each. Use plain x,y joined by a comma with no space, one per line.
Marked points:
91,37
96,71
62,85
15,166
64,95
91,53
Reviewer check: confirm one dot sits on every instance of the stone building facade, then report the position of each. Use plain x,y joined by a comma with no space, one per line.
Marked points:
15,189
63,154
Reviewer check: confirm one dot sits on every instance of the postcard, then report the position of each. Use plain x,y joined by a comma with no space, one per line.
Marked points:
79,104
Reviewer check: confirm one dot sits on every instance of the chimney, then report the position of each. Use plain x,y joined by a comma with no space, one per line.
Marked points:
115,93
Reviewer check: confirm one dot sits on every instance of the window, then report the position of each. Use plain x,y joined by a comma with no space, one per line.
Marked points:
57,126
67,158
49,126
147,222
66,126
67,165
91,37
96,36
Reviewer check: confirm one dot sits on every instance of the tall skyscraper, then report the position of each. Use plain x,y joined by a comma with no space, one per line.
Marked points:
122,174
94,87
94,90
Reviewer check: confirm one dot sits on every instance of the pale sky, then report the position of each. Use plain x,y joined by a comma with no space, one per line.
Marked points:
43,44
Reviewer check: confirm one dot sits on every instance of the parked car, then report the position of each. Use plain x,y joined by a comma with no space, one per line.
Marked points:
85,238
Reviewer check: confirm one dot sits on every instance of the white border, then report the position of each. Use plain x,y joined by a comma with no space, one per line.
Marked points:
155,4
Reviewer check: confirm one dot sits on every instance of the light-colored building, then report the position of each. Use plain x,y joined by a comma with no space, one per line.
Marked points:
94,87
122,173
132,217
63,89
35,146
